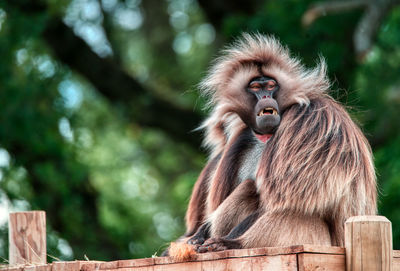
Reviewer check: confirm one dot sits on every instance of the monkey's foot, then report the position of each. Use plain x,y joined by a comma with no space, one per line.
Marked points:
218,244
196,240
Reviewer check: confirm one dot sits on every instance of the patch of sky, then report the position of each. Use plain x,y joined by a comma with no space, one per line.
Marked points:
65,129
182,43
205,34
127,18
85,17
71,93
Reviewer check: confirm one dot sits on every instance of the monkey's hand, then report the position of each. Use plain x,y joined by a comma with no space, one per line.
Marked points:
218,244
196,240
201,235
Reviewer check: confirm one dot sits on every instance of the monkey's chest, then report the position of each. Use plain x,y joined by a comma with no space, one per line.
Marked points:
248,165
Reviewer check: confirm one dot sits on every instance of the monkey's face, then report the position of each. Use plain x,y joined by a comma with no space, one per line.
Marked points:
265,117
252,84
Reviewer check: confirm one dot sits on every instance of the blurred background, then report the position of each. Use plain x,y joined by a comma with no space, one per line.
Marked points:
98,99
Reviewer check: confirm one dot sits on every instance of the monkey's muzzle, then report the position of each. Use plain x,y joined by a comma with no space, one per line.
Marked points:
267,116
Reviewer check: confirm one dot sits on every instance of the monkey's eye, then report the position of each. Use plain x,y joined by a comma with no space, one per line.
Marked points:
270,85
255,86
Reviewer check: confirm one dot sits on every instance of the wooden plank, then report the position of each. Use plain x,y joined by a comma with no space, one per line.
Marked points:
246,259
239,264
167,260
396,264
240,253
192,266
108,265
27,238
114,265
283,250
326,262
136,262
324,249
271,251
368,241
386,253
88,265
11,268
278,262
237,253
212,256
45,267
307,261
291,250
137,268
143,268
215,265
66,266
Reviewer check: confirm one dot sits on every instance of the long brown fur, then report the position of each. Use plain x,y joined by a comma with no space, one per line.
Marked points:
232,71
314,172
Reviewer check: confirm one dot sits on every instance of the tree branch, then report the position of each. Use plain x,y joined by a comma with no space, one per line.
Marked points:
110,80
368,26
321,9
142,106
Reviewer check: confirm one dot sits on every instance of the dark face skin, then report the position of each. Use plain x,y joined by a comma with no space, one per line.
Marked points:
266,115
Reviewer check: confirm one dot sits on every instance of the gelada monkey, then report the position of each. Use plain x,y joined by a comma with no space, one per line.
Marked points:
287,164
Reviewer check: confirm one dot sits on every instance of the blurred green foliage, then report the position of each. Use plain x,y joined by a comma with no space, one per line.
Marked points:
115,189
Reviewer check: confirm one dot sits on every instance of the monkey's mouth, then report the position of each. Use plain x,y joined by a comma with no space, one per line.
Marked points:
267,116
268,111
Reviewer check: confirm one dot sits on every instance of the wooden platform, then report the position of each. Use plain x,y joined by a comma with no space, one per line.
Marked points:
295,258
368,242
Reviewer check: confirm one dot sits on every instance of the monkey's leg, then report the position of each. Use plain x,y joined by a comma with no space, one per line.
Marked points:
243,226
283,229
223,243
279,229
239,204
204,231
242,202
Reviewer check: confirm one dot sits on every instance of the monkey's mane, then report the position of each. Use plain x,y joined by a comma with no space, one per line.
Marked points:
230,70
318,154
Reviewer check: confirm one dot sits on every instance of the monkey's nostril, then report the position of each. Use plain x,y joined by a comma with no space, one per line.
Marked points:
264,97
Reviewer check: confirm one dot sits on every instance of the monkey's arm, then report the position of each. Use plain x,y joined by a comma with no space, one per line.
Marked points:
229,242
232,218
204,231
196,210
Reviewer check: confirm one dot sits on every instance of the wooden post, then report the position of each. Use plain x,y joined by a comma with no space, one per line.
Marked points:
27,238
368,241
